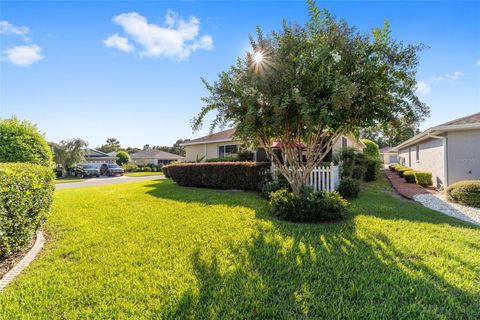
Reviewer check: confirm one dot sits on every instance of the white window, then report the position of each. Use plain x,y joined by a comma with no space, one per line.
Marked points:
227,150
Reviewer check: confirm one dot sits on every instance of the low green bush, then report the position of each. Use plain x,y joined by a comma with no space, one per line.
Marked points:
280,182
358,172
130,167
423,178
465,192
26,194
165,171
372,169
225,159
349,188
308,206
401,170
220,175
409,176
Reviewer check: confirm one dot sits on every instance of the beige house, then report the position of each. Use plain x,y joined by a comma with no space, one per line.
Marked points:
451,151
155,157
388,156
223,144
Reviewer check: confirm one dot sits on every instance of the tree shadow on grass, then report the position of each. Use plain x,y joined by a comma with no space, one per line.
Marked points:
329,273
288,271
376,200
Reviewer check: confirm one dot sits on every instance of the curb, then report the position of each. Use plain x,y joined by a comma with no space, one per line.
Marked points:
26,260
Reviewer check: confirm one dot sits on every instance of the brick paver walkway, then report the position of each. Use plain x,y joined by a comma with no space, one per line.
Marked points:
407,190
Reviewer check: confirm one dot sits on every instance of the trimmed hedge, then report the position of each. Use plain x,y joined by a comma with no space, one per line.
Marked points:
308,206
372,167
225,159
401,170
20,141
219,175
423,178
26,194
409,176
465,192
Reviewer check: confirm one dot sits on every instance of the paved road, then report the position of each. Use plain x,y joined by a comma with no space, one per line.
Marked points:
105,180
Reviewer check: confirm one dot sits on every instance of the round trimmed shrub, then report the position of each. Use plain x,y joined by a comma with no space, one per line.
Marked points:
349,188
20,141
409,176
26,194
122,158
401,170
465,192
308,206
423,178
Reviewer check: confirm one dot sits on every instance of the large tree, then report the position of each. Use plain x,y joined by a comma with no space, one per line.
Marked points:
305,86
69,152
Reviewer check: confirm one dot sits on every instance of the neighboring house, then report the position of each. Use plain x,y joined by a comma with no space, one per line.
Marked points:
223,144
155,157
388,156
451,151
95,156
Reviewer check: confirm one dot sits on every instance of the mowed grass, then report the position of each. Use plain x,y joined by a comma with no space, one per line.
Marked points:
156,250
67,180
142,174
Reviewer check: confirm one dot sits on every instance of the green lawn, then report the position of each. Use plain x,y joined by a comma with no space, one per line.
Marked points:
155,250
66,180
142,174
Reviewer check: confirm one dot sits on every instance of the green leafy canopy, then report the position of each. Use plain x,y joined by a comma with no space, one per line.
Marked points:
313,83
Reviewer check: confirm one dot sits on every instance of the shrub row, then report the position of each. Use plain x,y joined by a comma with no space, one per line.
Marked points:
465,192
219,175
422,178
308,206
26,193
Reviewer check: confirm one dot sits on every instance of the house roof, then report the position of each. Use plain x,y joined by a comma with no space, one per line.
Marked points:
222,136
155,154
93,153
469,122
386,150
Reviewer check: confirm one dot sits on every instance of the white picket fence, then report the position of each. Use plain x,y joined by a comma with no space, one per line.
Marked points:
324,178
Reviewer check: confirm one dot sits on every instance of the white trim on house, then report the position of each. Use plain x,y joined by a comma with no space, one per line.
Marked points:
205,142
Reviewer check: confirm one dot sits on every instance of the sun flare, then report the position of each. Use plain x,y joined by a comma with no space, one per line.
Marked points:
258,57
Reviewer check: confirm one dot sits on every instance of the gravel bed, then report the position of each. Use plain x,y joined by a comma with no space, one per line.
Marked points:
439,203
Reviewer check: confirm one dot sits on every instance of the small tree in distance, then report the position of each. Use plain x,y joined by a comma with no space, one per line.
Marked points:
305,86
122,158
70,152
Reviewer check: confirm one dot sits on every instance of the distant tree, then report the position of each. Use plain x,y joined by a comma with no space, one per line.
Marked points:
20,141
70,152
146,147
177,148
371,149
112,145
391,134
131,150
305,86
122,158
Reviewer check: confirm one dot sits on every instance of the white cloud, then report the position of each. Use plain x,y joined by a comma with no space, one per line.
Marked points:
177,39
118,42
8,28
447,76
423,88
24,55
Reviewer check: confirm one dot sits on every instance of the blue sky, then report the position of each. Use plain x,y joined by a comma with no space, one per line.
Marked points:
96,70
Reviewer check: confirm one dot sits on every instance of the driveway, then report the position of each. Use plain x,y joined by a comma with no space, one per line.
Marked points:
105,180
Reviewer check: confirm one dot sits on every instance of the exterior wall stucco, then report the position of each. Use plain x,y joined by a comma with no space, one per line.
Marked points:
192,151
463,155
431,158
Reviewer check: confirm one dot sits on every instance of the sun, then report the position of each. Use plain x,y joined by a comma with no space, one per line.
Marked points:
257,57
